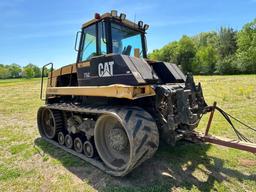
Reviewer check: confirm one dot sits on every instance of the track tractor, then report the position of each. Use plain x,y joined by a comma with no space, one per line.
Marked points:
114,105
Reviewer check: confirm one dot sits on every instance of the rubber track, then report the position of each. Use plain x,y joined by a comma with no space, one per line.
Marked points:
142,127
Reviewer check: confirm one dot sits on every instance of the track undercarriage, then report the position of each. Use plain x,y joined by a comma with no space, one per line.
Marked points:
130,138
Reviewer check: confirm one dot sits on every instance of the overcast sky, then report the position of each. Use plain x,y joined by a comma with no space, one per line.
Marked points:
42,31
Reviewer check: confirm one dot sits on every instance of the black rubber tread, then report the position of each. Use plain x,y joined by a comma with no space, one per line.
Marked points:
58,120
39,120
145,138
143,133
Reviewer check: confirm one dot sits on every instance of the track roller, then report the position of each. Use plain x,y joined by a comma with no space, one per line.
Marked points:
61,138
68,141
78,145
88,149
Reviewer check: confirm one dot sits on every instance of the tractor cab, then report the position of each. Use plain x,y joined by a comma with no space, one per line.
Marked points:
112,50
112,33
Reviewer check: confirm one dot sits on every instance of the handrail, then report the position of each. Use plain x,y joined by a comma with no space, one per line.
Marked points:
78,33
42,79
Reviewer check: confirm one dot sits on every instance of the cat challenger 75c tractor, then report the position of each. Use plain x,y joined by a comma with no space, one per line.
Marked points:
113,106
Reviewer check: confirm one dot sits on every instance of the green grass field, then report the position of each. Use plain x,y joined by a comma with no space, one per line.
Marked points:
29,164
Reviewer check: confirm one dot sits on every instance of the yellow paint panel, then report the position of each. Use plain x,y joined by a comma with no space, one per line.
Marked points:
83,64
63,70
118,91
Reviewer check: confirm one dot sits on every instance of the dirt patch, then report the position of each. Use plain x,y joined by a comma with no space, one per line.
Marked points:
149,172
247,162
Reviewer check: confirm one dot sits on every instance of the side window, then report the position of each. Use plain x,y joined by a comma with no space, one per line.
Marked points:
89,43
102,38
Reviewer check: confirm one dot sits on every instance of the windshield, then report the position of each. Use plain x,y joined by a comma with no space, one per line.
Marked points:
126,41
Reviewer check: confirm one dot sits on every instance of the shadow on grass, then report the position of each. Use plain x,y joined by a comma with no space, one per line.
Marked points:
168,169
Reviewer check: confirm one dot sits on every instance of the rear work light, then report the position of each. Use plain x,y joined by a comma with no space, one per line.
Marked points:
97,16
114,13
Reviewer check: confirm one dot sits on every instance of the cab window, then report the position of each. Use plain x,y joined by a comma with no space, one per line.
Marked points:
88,48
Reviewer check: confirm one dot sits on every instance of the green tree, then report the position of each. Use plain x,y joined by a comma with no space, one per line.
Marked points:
164,54
15,70
4,72
167,53
226,51
155,55
246,53
172,50
36,70
205,60
31,70
206,39
226,42
227,65
186,53
28,71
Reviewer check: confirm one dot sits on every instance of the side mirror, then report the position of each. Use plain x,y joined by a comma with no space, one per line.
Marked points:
78,37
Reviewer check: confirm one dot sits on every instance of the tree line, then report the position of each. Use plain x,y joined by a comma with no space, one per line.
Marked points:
16,71
223,52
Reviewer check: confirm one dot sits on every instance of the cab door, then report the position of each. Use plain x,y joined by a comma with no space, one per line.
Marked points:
93,43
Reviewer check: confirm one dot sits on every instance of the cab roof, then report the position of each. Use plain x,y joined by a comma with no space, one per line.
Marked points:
106,16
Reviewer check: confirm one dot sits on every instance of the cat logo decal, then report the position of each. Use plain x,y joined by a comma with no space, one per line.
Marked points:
105,69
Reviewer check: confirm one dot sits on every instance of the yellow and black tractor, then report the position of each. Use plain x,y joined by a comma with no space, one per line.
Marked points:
113,106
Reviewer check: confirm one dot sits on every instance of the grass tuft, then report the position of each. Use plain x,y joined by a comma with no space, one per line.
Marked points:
8,173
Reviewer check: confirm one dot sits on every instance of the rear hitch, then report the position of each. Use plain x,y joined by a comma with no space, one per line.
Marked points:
206,137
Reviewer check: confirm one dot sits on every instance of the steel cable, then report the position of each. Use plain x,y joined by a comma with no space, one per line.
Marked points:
239,134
